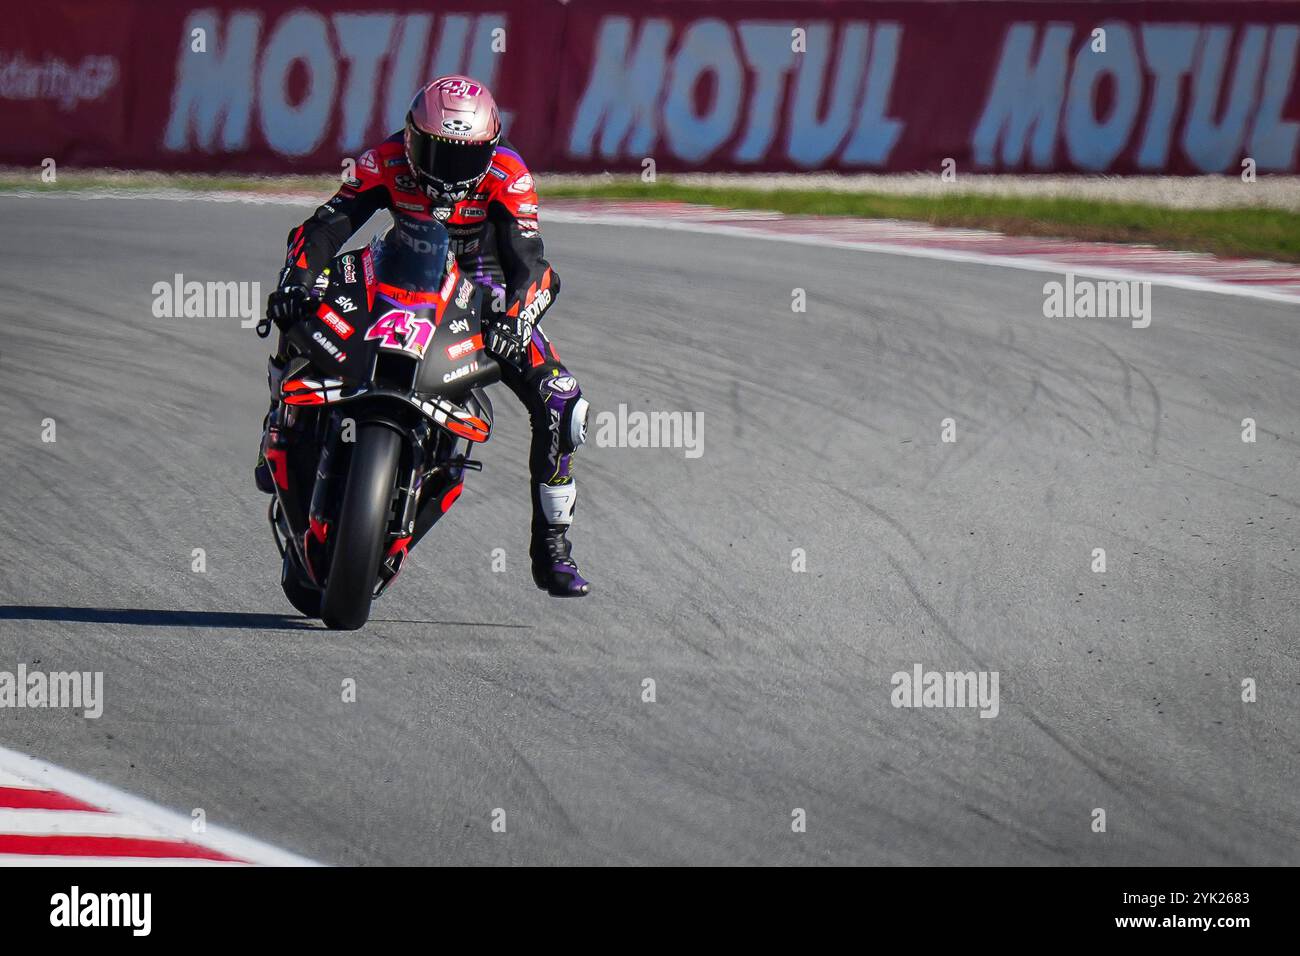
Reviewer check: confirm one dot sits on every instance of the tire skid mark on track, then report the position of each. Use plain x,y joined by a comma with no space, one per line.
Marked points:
860,500
947,630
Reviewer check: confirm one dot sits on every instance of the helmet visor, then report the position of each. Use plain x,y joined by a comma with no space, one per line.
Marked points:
447,162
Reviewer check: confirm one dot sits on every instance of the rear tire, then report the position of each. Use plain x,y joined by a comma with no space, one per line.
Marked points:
361,527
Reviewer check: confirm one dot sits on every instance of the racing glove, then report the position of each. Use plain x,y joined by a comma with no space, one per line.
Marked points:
508,337
285,306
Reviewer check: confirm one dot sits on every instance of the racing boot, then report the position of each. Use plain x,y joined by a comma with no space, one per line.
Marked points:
554,570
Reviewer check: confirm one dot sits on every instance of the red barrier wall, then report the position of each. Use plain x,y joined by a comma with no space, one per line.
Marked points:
277,85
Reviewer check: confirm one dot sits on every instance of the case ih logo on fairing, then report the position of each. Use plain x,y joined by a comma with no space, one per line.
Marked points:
461,372
321,339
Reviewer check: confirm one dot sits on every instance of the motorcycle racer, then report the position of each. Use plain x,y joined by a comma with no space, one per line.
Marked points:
451,163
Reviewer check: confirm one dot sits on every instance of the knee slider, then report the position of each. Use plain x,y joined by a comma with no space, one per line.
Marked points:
577,431
565,406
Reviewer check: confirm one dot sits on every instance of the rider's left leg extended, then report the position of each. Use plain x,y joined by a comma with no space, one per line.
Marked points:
558,415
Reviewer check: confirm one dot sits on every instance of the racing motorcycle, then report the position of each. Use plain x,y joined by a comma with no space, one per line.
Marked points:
381,400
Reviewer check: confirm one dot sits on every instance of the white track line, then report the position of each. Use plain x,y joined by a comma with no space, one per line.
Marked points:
165,823
1031,264
13,780
76,823
669,222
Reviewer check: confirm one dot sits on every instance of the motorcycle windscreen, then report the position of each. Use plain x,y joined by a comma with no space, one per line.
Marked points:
412,255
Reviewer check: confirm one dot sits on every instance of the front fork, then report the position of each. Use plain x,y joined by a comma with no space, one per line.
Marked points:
431,484
429,481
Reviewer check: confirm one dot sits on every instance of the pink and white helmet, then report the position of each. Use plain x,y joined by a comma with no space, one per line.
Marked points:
452,130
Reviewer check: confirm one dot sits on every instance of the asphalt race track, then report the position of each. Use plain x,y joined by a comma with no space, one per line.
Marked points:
1119,690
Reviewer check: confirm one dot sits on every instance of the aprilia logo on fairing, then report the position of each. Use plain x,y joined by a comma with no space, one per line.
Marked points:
637,429
179,299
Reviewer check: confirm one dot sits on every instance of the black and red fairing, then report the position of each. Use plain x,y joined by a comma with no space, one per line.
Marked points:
396,317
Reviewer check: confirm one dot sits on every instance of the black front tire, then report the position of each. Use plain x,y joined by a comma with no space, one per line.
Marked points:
362,522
